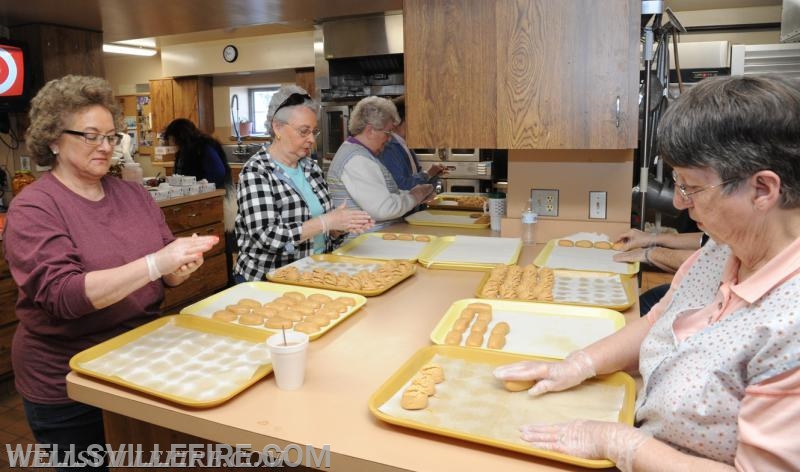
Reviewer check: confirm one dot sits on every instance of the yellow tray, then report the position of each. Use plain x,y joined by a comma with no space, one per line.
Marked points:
538,329
350,263
265,292
446,218
440,202
542,260
625,283
374,246
426,258
185,321
419,419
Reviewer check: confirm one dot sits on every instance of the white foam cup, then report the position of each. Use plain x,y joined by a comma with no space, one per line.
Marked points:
288,359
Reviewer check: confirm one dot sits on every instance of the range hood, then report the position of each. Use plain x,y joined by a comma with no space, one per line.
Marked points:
359,56
363,36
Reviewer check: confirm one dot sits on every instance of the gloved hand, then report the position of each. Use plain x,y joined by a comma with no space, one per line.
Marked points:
634,239
589,440
348,219
183,254
422,192
633,255
551,376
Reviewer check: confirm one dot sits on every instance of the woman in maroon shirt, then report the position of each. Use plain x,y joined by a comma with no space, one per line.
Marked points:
90,253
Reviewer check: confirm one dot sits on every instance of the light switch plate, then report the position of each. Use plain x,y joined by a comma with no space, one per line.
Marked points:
598,205
24,163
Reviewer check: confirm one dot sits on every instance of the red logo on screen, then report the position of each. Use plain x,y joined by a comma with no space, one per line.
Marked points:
12,72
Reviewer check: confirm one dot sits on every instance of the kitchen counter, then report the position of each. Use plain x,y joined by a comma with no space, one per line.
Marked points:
345,367
190,198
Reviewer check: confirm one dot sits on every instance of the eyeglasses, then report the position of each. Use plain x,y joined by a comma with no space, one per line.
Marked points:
96,139
305,131
387,133
292,100
687,195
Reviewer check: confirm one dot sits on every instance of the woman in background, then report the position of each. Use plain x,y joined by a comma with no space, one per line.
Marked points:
285,212
90,253
357,176
199,154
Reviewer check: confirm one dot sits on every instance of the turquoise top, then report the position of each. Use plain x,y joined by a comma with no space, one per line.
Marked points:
314,205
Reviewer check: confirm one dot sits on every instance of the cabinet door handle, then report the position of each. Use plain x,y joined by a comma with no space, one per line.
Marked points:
177,210
617,111
192,215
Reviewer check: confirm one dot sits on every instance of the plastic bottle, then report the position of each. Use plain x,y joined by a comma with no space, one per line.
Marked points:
132,172
529,219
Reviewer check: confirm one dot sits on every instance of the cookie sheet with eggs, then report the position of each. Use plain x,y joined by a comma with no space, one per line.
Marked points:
537,329
272,307
367,277
404,246
585,255
467,402
570,287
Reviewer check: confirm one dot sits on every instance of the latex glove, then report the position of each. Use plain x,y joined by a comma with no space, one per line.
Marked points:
551,376
588,440
634,239
348,219
633,255
184,254
422,192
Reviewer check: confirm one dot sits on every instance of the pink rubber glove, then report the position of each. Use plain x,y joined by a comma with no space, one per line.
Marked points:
551,376
589,440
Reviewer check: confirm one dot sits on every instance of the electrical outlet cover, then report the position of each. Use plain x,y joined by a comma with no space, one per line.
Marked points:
544,201
597,205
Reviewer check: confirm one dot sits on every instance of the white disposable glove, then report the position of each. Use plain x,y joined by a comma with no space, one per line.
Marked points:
588,440
348,220
550,376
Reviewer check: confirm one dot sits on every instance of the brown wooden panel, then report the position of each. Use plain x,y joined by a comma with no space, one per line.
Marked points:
161,99
561,67
216,229
206,280
184,98
3,263
193,214
6,335
305,78
205,104
450,73
8,300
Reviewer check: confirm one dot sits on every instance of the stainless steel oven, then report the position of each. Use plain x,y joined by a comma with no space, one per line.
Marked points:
463,155
461,185
335,119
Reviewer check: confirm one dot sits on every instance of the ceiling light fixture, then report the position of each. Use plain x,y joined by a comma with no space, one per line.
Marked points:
136,51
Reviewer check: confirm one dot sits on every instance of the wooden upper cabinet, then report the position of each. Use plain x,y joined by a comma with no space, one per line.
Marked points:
522,74
183,97
450,69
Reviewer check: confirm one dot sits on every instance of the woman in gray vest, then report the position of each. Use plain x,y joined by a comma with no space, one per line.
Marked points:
356,175
285,211
719,354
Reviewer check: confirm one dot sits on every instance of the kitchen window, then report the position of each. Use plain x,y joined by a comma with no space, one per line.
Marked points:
259,103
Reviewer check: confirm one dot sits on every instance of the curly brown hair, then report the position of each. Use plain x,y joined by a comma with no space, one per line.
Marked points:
59,99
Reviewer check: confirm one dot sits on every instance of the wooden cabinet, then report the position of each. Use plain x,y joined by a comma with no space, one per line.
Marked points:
522,74
136,108
183,97
202,215
8,318
59,51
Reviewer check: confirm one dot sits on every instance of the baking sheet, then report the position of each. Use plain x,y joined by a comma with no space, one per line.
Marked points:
374,246
470,252
470,404
352,266
265,292
579,258
456,201
448,219
574,287
185,359
537,329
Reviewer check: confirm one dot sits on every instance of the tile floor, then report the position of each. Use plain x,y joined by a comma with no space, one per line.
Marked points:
13,427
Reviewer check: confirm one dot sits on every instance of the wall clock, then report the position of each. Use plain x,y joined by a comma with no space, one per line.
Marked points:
230,53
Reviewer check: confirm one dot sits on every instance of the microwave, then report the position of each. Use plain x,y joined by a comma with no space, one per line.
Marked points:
430,154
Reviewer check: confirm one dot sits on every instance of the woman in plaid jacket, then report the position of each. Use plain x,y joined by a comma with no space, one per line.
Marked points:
285,211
